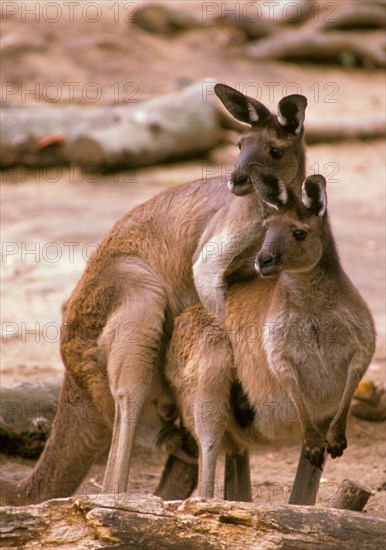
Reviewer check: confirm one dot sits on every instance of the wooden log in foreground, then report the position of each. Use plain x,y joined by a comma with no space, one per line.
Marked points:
147,522
351,496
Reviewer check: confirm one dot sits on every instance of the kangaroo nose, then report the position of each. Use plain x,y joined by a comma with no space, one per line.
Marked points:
265,259
265,263
240,180
239,183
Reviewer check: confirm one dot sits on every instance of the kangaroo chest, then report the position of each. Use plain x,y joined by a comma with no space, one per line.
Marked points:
318,347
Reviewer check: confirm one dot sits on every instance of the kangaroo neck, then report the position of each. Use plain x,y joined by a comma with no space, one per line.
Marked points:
317,287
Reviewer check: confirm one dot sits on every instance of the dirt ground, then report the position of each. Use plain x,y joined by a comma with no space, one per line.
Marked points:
52,218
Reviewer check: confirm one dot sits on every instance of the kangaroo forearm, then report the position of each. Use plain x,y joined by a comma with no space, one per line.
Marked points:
213,299
336,436
211,286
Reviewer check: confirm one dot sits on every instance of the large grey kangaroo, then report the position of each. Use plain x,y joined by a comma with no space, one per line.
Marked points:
154,263
298,340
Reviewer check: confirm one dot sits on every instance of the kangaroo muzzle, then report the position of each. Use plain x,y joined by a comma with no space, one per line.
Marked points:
239,183
267,264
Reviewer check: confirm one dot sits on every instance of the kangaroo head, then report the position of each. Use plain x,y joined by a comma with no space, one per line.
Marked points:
294,229
275,142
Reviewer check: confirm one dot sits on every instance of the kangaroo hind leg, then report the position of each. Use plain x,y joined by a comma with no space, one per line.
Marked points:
132,342
307,478
211,407
237,481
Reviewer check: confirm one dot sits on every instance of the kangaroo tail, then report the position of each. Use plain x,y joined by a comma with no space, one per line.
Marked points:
78,435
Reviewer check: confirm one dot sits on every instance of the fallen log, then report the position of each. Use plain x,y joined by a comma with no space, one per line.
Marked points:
371,127
313,46
366,15
286,12
179,124
326,131
26,415
167,128
147,522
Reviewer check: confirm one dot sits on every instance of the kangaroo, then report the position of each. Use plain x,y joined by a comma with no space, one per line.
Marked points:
297,341
156,261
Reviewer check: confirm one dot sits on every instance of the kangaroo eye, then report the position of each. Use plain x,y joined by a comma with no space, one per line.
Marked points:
239,145
276,153
299,234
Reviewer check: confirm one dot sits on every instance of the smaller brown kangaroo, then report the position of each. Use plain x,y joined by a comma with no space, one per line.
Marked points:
298,340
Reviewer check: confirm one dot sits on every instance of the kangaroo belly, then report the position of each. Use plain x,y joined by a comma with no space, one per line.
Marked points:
275,417
274,420
319,363
263,367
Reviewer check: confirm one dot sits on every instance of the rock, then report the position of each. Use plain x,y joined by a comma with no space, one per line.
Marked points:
160,19
12,45
369,402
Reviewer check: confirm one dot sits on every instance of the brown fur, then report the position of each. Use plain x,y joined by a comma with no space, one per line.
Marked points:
298,343
120,315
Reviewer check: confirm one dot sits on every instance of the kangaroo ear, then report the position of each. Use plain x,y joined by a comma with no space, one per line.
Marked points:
270,189
242,107
314,196
291,111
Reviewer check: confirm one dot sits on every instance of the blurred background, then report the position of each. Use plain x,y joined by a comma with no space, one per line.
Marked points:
104,104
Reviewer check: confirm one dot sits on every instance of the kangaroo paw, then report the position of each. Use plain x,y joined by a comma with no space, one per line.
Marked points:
314,449
336,444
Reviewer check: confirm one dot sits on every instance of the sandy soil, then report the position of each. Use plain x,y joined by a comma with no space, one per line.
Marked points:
52,219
